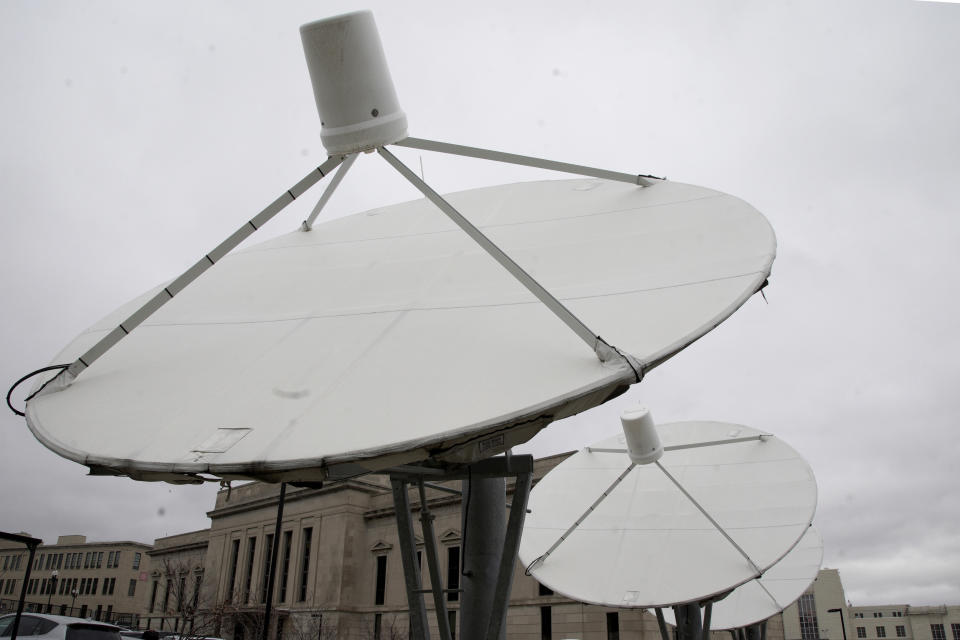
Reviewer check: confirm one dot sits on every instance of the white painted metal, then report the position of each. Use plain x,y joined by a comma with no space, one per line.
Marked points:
355,96
779,587
146,307
643,442
526,161
646,544
595,342
388,337
328,192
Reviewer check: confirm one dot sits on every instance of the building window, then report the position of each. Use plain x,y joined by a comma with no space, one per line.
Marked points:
937,632
955,630
166,596
285,572
452,623
809,627
546,623
267,566
613,625
234,558
304,564
248,576
377,625
132,587
861,632
153,596
881,632
197,582
136,560
896,614
453,574
544,591
381,591
878,614
902,631
858,614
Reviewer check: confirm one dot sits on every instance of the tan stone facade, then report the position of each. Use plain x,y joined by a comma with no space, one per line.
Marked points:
810,619
338,540
103,580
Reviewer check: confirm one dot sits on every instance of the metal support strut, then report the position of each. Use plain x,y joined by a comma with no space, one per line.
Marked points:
272,569
603,350
334,183
596,503
167,293
716,524
526,161
489,552
433,564
408,554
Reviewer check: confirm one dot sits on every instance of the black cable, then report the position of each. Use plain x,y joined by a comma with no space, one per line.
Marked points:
16,384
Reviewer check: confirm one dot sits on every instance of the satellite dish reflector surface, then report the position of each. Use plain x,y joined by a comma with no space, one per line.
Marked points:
779,587
647,544
390,336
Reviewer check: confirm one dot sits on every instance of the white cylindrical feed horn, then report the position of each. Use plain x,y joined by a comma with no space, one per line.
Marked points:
355,97
643,442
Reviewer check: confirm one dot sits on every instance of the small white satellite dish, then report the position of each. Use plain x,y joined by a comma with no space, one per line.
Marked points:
723,505
770,594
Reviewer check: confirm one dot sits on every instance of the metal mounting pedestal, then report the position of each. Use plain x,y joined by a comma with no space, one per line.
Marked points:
490,542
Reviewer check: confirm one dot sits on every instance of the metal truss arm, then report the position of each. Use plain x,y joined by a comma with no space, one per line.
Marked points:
716,524
334,183
527,161
408,554
433,564
603,350
596,503
191,274
763,437
518,512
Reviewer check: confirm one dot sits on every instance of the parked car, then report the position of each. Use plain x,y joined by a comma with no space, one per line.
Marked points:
42,626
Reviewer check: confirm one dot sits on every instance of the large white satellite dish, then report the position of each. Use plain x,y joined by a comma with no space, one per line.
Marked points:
723,505
389,336
778,588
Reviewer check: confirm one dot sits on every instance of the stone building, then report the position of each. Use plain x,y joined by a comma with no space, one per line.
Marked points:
338,574
823,613
103,580
339,570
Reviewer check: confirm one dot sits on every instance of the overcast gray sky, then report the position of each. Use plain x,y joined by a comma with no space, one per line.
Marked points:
134,137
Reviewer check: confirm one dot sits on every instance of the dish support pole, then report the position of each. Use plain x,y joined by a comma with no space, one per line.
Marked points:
490,540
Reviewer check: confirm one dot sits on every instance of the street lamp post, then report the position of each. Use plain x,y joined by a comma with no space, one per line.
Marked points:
51,587
73,592
843,627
